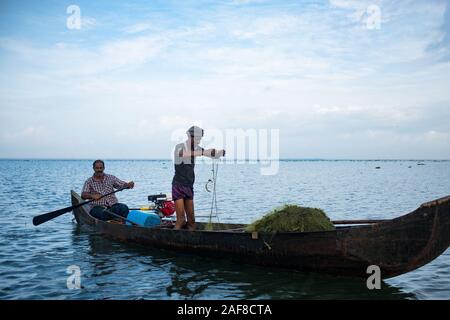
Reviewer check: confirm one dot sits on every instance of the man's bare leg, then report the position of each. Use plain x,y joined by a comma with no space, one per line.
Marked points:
189,207
179,208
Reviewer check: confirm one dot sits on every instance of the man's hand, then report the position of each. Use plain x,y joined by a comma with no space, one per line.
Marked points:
129,185
96,196
214,153
219,153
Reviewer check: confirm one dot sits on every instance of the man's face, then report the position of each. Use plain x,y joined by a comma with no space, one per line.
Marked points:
99,168
197,140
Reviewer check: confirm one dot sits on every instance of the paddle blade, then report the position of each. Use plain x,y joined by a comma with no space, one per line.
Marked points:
50,215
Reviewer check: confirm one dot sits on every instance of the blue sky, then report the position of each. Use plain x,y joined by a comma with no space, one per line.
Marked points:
119,87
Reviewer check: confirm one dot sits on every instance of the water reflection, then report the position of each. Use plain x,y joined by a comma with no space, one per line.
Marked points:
129,271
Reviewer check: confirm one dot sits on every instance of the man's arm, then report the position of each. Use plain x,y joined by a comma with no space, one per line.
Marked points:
119,184
90,196
86,194
211,153
183,154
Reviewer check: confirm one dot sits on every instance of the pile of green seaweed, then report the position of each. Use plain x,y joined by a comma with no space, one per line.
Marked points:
292,218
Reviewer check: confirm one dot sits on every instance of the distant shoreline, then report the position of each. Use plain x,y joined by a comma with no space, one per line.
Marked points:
231,160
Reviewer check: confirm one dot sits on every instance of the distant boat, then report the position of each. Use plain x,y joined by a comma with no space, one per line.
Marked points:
396,246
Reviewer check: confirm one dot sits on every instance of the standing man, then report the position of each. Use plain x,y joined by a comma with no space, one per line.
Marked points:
183,181
100,184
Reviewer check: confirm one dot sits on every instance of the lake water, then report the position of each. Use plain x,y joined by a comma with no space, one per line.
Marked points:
34,260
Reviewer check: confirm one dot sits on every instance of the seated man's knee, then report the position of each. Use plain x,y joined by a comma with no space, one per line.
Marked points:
121,209
99,213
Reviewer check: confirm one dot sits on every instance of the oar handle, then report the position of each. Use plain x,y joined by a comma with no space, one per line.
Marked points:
105,195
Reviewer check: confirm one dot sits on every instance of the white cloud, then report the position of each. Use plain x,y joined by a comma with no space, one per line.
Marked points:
174,122
355,5
435,136
88,23
311,73
256,63
26,134
245,2
133,51
344,3
66,60
267,26
138,27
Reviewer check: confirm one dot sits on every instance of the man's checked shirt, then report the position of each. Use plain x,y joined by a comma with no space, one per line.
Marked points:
107,185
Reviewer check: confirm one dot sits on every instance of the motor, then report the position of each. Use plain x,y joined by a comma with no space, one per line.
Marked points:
163,204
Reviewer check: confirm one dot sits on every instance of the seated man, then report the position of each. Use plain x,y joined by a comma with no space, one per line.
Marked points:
100,184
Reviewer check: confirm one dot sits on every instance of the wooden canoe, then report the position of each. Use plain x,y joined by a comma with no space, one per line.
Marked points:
396,246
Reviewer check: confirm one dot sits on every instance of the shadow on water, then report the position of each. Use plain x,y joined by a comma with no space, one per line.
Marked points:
187,276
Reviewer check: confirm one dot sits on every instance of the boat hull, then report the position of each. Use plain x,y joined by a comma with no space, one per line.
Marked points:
396,246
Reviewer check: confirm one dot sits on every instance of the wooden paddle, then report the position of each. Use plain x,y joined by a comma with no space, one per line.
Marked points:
37,220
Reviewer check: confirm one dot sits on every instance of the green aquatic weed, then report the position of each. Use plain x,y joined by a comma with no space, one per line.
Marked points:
292,218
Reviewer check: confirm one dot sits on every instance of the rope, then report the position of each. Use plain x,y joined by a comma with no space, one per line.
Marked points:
213,180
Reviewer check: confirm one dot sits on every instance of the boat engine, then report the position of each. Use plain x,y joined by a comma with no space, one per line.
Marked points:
164,206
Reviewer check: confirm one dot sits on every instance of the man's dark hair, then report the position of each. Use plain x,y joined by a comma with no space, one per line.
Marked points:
101,161
195,131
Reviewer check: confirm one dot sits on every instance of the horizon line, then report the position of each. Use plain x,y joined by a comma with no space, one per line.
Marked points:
230,160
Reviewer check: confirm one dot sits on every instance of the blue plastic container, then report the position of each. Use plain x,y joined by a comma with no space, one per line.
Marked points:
144,219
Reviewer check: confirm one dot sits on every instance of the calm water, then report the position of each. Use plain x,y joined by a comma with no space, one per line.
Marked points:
33,260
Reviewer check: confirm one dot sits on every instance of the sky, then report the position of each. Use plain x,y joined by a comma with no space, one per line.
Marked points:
339,79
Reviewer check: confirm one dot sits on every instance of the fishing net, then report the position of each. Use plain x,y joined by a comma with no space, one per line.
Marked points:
292,218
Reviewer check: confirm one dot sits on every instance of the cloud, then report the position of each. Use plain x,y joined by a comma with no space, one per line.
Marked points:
346,4
267,26
246,2
440,48
137,28
88,23
176,122
310,44
34,133
134,51
316,73
368,14
445,41
266,62
67,59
